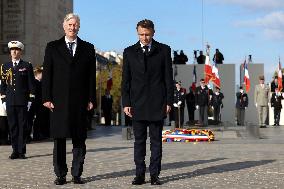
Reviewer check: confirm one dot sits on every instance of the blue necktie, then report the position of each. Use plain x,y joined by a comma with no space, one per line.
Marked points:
70,45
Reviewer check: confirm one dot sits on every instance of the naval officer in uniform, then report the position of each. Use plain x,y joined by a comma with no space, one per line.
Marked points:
17,92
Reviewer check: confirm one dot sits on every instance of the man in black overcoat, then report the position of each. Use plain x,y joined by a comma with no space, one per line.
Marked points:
202,97
147,95
68,90
217,104
241,105
17,88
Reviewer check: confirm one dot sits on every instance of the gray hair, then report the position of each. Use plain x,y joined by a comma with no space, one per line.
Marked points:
72,16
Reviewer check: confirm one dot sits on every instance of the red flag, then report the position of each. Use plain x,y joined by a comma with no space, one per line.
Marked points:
109,81
279,76
207,70
215,76
246,77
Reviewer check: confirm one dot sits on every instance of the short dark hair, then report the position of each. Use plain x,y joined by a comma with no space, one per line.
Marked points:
146,24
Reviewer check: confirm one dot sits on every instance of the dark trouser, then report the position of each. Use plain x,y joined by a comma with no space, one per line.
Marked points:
216,113
277,116
107,115
179,118
59,157
240,116
140,134
190,113
17,120
4,130
203,115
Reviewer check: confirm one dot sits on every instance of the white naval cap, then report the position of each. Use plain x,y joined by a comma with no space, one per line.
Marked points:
16,44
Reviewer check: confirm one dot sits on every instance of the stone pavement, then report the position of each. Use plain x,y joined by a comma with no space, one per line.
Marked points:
232,161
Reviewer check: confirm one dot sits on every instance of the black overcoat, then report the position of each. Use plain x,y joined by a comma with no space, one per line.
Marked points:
147,82
69,83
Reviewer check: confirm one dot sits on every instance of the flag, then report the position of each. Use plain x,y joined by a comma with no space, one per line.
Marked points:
279,76
109,81
215,76
207,70
246,77
193,86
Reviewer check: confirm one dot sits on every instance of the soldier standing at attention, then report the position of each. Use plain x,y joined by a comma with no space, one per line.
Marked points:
17,91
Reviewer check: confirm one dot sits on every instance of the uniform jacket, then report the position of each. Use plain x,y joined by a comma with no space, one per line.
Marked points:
261,95
147,83
69,83
17,83
179,96
217,100
242,100
276,101
202,96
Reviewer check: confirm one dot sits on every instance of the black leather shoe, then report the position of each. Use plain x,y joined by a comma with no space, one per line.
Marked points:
60,181
14,155
77,180
138,180
155,180
22,156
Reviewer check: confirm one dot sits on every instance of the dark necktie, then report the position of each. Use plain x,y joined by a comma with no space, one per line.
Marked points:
146,49
15,64
70,45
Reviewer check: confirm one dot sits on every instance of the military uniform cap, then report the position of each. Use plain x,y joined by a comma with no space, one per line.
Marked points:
261,77
16,44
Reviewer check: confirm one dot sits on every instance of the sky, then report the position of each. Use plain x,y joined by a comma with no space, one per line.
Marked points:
236,27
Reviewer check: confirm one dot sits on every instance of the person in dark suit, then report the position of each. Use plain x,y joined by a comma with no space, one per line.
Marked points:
147,95
107,107
68,91
274,84
179,104
201,58
41,118
218,57
276,103
202,97
17,86
190,102
241,105
217,104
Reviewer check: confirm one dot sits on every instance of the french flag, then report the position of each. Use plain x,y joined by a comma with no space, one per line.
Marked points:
207,70
246,77
215,76
279,76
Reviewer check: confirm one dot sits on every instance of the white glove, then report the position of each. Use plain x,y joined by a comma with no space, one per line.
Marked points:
4,105
268,104
179,103
245,108
212,108
255,104
283,95
197,107
175,105
29,105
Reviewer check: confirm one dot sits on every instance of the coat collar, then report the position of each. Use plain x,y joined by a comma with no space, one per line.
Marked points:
154,47
62,47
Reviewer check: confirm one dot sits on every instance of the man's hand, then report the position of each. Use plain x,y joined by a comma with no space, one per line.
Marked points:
127,111
29,105
49,105
197,107
175,105
168,109
90,106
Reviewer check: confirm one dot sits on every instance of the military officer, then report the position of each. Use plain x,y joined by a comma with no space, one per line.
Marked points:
277,105
17,91
179,103
217,104
241,105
